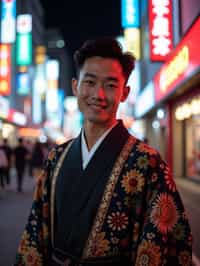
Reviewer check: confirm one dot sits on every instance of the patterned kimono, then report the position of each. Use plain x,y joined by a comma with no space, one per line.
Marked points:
123,209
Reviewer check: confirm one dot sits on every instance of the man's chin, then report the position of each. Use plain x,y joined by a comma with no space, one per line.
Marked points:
97,120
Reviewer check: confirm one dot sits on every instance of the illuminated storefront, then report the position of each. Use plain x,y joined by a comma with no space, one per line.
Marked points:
170,106
186,117
177,89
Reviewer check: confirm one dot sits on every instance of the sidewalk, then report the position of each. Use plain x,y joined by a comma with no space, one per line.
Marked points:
190,193
14,208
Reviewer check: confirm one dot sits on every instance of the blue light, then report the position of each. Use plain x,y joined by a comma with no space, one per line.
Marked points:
23,83
130,13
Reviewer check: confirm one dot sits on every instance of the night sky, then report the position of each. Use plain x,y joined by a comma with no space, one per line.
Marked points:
83,19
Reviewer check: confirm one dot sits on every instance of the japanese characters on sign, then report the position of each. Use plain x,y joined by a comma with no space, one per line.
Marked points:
8,21
24,40
130,13
5,69
181,64
160,29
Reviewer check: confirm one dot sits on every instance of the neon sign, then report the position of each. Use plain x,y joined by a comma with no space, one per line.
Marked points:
175,68
5,69
8,20
160,23
130,13
182,63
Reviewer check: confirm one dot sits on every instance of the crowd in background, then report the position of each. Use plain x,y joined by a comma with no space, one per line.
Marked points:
26,156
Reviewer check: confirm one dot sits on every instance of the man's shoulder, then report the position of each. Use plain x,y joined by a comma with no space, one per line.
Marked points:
57,150
142,148
61,147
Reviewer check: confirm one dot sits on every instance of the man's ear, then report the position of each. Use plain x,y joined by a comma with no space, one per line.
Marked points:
125,94
74,86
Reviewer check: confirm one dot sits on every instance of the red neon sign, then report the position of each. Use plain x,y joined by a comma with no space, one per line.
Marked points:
5,69
160,28
181,64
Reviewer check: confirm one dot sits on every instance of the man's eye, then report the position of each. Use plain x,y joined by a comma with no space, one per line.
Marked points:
111,85
89,82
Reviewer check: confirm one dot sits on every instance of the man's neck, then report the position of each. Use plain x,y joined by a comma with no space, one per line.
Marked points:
93,132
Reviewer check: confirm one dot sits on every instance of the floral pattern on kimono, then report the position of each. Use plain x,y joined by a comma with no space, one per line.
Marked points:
35,245
141,216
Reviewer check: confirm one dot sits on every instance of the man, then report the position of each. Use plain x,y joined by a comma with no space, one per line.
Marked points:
105,198
20,154
8,152
3,166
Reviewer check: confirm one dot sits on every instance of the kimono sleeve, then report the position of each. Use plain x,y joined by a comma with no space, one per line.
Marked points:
165,237
34,247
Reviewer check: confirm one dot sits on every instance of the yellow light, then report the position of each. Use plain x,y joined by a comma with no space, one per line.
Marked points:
175,68
40,59
3,86
23,69
195,106
188,109
52,84
40,49
6,130
132,40
179,114
29,132
40,54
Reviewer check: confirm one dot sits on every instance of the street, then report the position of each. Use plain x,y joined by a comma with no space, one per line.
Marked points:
15,207
190,193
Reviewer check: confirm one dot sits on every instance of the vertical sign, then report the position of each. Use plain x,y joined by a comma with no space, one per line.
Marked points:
132,40
8,20
23,83
160,29
5,69
24,40
130,13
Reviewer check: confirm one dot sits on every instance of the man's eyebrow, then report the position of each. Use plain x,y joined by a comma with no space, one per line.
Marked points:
109,78
112,79
89,75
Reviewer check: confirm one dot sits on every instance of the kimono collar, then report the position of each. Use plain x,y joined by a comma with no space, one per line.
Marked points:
79,191
86,154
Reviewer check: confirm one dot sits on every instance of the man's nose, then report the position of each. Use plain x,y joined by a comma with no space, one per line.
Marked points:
99,91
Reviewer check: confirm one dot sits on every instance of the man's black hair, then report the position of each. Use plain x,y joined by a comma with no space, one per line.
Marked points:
104,47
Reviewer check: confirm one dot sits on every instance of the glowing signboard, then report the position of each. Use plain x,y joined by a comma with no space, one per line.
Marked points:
24,49
145,100
24,40
160,28
132,40
130,13
17,117
23,83
40,54
4,107
24,23
5,69
8,21
182,63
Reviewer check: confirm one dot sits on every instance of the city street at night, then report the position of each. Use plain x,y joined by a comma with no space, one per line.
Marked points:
99,100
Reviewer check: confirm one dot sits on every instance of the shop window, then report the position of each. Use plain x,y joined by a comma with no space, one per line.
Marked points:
193,147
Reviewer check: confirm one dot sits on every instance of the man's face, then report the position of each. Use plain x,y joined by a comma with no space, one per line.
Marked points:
99,90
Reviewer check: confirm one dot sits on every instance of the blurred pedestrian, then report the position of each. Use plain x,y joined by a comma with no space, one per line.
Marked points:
3,166
20,154
37,159
8,152
105,198
29,146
